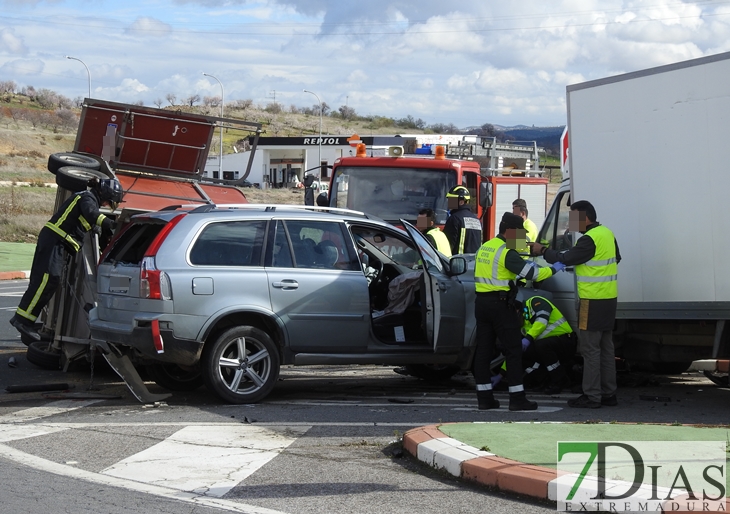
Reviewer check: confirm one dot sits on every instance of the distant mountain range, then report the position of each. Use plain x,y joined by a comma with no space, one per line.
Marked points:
546,137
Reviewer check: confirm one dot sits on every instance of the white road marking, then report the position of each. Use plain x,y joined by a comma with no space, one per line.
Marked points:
204,461
50,409
13,431
165,492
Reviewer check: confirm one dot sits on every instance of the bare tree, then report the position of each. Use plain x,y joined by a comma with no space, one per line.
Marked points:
243,104
273,108
8,86
192,100
158,103
68,118
346,112
33,116
212,101
78,102
170,97
46,98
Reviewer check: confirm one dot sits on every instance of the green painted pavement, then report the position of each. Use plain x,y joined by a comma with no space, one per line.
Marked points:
16,256
536,443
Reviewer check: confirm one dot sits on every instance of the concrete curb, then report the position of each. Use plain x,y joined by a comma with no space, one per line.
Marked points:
438,450
13,275
431,446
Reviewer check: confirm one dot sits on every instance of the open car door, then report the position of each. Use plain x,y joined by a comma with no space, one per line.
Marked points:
445,301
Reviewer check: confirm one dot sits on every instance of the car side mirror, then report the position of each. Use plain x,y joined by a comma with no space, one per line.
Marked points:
322,200
485,194
457,265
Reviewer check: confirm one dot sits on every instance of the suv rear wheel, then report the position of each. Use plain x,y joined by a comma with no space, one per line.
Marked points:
242,365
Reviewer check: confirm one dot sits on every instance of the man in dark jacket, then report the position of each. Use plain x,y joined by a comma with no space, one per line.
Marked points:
63,233
595,257
463,228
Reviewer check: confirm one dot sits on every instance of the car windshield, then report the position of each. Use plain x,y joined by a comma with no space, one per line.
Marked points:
393,193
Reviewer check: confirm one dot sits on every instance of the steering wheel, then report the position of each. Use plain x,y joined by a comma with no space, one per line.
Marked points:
567,240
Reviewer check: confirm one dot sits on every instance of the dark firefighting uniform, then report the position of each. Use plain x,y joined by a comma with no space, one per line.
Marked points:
464,230
64,232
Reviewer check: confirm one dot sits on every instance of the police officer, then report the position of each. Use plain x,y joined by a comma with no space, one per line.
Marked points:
549,342
435,235
498,265
595,256
64,232
463,228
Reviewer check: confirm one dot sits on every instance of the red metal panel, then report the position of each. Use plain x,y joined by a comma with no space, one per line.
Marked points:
155,193
145,139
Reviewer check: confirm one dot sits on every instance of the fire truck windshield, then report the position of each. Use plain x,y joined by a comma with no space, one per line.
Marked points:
393,193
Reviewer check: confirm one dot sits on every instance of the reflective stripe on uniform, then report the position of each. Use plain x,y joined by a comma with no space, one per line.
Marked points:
553,367
609,278
462,238
63,235
532,368
604,262
484,387
84,223
552,326
100,220
516,389
491,282
27,313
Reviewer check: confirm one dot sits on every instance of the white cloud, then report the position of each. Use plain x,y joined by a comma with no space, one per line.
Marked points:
22,67
148,27
11,43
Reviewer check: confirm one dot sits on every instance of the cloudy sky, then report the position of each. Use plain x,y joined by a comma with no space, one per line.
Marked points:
464,62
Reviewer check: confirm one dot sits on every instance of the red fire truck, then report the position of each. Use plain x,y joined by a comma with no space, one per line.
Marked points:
394,186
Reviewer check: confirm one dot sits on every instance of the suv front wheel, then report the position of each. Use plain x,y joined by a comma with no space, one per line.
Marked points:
242,365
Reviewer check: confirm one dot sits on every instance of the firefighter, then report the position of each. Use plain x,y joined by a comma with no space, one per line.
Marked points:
549,342
425,224
595,257
463,228
498,265
63,233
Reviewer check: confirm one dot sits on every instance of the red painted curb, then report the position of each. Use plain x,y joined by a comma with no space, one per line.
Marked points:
504,474
12,275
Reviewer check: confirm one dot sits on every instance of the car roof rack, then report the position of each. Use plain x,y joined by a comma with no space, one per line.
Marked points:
283,207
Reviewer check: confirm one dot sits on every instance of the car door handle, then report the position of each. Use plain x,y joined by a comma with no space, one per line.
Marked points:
286,284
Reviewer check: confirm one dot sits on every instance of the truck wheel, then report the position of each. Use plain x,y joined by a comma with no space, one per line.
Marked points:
174,378
671,368
242,365
59,160
432,372
74,178
42,355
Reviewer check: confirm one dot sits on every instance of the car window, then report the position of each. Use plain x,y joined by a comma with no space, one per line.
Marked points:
319,244
132,244
398,249
230,243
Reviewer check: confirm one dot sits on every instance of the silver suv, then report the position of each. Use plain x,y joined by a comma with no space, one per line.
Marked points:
224,295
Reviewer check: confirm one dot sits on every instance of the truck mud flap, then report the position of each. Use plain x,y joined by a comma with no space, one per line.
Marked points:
126,370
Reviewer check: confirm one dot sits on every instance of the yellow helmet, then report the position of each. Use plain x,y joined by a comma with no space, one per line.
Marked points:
460,192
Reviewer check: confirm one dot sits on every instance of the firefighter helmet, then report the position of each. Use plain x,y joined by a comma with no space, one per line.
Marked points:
460,192
109,190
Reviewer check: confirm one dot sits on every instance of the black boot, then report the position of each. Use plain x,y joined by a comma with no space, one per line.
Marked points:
27,330
487,401
518,401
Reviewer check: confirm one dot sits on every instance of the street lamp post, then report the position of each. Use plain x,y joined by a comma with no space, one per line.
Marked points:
220,157
320,130
88,73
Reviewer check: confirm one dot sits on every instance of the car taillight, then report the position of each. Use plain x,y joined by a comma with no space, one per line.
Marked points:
153,283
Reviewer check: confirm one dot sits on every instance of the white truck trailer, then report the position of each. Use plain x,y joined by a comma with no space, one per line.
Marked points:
649,150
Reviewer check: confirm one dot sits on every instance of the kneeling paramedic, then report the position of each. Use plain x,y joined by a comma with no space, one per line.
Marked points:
498,265
549,342
63,233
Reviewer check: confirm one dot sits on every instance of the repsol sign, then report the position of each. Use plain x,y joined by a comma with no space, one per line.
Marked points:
324,141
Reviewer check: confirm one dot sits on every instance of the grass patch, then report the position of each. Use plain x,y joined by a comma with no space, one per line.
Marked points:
24,211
